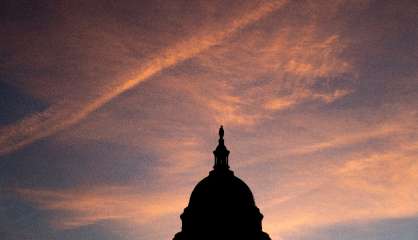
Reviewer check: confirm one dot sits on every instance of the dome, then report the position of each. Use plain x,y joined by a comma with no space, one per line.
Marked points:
221,189
221,206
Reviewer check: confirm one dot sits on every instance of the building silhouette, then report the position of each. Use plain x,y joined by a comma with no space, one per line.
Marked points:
221,206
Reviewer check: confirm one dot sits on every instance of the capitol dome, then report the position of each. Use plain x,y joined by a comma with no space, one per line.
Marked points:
221,188
221,206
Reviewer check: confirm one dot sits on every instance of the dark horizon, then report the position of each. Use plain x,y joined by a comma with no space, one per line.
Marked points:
109,113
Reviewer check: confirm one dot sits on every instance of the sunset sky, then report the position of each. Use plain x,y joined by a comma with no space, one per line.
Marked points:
109,113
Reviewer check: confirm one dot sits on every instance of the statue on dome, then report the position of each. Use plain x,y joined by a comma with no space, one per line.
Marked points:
221,132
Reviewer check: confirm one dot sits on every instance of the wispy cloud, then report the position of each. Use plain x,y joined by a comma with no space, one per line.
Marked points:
364,187
319,113
245,81
80,207
66,113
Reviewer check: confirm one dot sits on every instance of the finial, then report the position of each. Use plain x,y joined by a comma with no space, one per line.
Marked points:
221,132
221,152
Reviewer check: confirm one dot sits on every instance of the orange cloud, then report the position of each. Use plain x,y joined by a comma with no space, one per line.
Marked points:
61,115
363,187
244,81
351,138
83,207
233,84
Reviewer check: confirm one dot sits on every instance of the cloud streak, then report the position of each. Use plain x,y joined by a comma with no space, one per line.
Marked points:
67,113
319,112
364,187
79,207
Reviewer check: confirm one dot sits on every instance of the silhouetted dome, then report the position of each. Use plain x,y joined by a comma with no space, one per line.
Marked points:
221,206
221,188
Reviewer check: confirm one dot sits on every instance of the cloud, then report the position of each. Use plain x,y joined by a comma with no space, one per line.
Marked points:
338,185
385,130
363,186
276,70
66,113
319,113
277,104
80,207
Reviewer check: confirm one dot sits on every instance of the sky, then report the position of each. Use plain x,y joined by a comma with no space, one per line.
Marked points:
110,110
